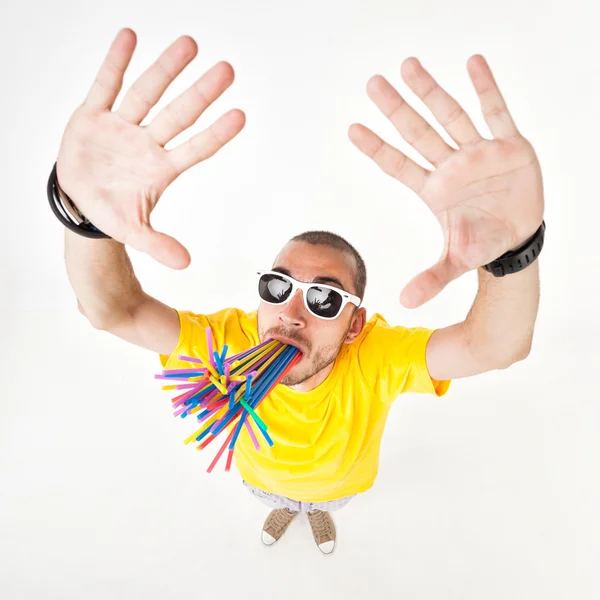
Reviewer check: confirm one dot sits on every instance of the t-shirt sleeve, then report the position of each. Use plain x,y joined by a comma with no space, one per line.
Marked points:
393,360
227,327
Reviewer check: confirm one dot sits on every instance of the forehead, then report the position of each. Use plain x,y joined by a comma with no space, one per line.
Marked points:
306,262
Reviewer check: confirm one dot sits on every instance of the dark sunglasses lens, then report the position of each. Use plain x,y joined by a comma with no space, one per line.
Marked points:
273,288
324,302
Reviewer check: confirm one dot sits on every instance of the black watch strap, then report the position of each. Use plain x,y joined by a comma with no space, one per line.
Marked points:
519,258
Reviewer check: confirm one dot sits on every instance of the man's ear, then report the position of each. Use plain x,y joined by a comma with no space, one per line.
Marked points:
359,318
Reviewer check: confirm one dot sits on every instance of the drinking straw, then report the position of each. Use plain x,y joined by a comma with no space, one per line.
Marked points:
251,434
209,341
189,359
215,460
256,418
238,428
229,459
222,356
218,361
181,386
216,394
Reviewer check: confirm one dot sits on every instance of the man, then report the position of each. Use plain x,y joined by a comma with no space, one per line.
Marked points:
327,416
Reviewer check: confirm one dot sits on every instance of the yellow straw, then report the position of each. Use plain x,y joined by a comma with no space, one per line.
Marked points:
200,392
264,366
218,385
211,369
219,414
197,433
253,358
256,354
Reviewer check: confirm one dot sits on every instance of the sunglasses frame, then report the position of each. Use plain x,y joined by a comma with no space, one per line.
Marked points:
346,296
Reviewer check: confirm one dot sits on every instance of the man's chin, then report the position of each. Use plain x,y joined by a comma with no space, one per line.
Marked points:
293,378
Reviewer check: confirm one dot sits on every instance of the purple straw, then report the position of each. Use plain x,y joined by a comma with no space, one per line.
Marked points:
209,341
252,436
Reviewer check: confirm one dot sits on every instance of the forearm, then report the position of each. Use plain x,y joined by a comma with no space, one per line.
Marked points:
102,278
500,323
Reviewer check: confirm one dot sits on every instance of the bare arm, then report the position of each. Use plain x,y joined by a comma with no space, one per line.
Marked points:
110,296
497,332
501,321
102,278
488,197
115,171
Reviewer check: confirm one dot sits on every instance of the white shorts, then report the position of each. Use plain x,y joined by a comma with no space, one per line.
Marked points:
275,501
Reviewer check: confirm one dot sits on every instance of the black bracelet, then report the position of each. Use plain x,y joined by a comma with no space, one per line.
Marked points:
519,258
65,216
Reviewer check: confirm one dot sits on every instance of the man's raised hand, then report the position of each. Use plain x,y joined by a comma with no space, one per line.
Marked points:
114,169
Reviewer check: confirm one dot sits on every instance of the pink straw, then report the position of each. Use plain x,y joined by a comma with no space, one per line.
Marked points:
189,359
252,436
209,340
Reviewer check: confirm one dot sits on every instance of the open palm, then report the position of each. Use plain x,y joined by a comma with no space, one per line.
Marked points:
487,195
114,169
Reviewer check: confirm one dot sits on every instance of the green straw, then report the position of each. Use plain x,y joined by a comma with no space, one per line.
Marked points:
258,420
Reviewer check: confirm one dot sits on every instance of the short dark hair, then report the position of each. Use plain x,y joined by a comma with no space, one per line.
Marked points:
333,240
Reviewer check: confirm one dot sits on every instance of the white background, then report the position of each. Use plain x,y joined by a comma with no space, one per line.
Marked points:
489,492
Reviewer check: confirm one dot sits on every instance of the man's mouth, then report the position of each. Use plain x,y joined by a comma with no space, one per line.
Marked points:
289,342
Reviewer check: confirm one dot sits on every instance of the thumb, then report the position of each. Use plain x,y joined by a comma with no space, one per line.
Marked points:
160,246
427,284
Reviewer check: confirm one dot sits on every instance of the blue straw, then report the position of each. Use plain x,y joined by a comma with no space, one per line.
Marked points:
259,390
248,391
218,362
199,394
266,436
249,351
277,367
204,433
223,355
237,432
274,372
227,418
183,375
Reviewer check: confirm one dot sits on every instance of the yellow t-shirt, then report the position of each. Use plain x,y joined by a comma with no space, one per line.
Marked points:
327,440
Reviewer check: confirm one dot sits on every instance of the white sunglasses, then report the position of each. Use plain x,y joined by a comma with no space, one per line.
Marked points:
323,301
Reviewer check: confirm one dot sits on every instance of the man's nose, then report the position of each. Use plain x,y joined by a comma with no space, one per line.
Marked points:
294,311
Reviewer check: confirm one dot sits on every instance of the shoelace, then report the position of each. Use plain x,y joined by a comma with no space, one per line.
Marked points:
280,519
321,525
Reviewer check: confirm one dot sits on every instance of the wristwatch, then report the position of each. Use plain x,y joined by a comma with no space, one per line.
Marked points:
519,258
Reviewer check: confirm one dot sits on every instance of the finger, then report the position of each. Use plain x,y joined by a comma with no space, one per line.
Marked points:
493,106
108,82
184,111
160,246
147,89
389,159
409,123
444,107
424,286
206,143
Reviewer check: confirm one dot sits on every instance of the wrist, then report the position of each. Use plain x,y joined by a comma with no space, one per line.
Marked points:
519,258
67,213
527,240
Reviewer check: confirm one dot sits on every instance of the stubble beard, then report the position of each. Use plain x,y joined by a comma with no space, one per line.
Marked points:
322,359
